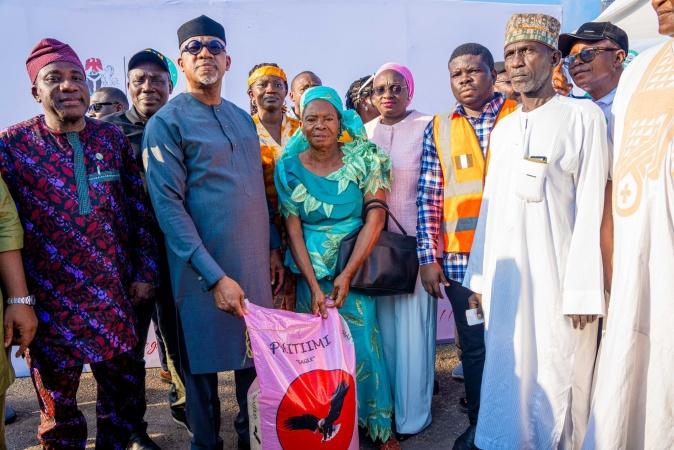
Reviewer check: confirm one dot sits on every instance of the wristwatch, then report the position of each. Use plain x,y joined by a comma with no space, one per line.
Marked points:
27,300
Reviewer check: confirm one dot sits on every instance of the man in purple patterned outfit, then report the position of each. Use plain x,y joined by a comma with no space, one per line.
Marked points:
88,253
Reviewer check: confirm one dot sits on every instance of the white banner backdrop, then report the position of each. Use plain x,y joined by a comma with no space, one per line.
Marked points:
340,40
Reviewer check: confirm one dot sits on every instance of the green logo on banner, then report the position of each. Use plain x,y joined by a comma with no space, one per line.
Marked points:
173,71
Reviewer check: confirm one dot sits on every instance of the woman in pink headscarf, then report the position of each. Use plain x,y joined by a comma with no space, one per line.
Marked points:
407,322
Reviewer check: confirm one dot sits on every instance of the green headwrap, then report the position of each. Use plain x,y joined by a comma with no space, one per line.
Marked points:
365,164
321,93
351,124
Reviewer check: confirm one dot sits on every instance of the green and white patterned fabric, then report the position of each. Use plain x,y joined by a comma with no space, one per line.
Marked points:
329,208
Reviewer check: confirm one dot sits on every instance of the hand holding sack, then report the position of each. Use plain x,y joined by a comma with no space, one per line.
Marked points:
305,392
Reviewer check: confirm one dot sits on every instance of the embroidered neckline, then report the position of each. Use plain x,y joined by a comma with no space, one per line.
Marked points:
364,165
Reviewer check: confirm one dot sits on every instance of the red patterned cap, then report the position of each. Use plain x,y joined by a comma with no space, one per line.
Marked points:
48,51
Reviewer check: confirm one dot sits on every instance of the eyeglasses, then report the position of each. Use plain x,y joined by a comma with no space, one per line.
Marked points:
394,89
214,47
587,54
98,106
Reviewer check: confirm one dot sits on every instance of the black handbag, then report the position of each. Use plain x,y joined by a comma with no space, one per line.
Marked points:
391,268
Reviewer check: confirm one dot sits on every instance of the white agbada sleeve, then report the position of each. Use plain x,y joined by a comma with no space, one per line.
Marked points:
474,277
583,284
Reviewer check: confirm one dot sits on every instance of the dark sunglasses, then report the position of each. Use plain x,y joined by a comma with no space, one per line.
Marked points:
98,106
214,47
588,54
394,89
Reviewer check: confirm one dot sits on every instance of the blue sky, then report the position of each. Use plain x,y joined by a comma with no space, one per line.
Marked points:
576,12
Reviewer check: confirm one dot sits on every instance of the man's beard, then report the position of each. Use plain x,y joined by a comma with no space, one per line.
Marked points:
67,116
207,80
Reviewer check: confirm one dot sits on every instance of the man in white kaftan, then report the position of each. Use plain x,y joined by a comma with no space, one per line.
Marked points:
633,404
536,258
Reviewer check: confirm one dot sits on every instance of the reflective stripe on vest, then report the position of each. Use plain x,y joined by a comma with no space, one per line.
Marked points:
463,170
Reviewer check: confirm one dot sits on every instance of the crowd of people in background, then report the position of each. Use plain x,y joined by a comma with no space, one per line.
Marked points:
546,219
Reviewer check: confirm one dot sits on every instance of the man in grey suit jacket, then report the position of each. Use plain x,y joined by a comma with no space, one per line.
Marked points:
204,175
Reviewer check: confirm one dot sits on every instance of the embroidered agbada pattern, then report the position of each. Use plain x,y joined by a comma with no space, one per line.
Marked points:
86,219
648,123
634,388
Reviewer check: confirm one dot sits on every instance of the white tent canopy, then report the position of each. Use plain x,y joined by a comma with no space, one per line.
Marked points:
637,18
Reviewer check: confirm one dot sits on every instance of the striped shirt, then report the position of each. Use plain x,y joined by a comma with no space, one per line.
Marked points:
431,186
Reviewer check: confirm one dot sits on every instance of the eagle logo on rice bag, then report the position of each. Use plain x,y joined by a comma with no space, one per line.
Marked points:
318,411
305,392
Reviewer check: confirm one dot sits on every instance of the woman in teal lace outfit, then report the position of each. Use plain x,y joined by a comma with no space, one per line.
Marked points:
326,173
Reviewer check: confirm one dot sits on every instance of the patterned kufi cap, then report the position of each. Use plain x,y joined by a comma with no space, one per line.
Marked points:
533,27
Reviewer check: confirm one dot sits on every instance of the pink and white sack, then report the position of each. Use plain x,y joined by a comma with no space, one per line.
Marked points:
304,396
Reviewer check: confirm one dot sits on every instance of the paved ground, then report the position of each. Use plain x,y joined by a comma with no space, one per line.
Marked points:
448,421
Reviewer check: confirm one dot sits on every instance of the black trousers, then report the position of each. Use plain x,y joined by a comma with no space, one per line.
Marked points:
119,409
203,407
167,322
163,308
143,312
472,347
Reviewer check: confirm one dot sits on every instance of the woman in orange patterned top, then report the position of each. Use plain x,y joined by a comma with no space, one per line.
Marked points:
267,90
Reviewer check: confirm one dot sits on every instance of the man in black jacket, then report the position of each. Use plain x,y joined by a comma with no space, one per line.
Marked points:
149,86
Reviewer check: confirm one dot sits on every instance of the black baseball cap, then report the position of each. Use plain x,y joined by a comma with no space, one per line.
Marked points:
148,55
594,32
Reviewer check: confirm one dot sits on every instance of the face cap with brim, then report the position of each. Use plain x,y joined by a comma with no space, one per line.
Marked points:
532,27
148,56
201,26
594,32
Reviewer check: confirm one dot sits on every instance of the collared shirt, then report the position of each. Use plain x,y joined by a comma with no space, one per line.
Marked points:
87,224
606,105
431,186
132,125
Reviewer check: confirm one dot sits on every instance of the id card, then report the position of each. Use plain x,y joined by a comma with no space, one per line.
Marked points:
471,317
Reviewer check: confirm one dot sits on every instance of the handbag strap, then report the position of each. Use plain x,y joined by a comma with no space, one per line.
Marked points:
375,203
